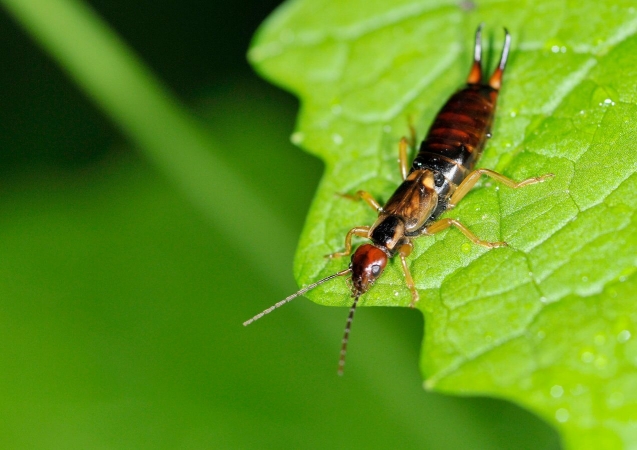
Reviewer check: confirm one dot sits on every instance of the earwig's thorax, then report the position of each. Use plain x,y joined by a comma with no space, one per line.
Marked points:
387,231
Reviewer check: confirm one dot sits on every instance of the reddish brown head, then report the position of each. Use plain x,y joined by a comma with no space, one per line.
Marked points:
368,263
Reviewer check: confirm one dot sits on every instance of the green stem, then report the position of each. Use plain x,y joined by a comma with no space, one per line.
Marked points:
126,90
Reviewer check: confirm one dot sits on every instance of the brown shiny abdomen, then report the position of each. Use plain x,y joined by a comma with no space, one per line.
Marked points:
456,138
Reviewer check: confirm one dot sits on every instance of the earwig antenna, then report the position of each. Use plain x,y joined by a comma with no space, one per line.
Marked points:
348,327
293,296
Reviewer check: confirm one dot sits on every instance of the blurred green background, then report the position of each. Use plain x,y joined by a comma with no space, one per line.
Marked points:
121,302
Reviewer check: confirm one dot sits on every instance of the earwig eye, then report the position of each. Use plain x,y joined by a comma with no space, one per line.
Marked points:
376,270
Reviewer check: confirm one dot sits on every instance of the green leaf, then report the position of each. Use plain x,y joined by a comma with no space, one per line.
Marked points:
548,322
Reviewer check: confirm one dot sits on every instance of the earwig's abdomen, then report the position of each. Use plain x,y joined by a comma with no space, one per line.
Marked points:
456,138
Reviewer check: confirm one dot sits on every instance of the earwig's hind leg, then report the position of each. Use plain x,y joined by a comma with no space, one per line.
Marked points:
403,252
496,79
356,231
443,224
403,145
369,199
412,135
471,179
402,158
475,75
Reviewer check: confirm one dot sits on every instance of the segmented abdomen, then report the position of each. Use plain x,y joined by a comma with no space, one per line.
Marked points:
457,136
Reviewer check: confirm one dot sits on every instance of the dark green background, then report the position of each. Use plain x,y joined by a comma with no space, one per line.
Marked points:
121,306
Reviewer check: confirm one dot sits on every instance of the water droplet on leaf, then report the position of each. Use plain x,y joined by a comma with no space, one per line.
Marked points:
623,336
557,391
562,415
297,137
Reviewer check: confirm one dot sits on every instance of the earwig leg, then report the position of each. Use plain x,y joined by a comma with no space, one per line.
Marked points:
475,75
471,179
358,231
404,251
402,158
496,79
443,224
404,144
369,199
412,135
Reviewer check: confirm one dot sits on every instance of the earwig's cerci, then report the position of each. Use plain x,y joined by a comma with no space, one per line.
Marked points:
440,176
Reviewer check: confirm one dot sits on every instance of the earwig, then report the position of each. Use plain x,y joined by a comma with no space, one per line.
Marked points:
441,174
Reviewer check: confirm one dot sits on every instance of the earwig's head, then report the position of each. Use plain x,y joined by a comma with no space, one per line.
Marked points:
368,263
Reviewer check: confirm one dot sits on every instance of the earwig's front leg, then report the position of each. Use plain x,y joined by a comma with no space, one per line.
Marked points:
471,179
443,224
403,252
358,231
369,199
